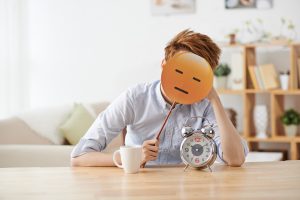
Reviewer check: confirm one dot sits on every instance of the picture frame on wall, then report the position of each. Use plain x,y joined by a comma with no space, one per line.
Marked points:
244,4
171,7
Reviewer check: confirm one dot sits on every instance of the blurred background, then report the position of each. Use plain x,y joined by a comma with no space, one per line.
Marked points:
61,52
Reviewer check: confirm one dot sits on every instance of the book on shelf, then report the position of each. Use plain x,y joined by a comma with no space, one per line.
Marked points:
236,76
269,76
298,68
258,76
294,75
254,81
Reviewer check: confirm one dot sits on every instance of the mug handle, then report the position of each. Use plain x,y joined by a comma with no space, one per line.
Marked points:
114,159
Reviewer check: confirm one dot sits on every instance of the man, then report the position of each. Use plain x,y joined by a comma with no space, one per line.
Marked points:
142,109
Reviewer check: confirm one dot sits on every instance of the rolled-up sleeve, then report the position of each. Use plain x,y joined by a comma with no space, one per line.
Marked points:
220,158
107,126
209,114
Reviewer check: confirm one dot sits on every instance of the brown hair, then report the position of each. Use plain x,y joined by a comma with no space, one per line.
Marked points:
196,43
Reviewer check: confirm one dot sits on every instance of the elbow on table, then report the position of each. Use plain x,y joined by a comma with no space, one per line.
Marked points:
236,162
75,162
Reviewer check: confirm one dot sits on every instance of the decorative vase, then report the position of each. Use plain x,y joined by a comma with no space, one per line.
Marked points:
221,82
232,39
260,115
290,130
284,81
231,114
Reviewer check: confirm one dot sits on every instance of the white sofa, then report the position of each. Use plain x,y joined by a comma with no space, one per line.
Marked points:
22,146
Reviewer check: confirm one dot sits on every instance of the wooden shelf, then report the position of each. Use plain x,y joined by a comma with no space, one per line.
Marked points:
256,91
297,139
278,139
228,91
276,92
269,45
286,92
255,45
276,101
271,139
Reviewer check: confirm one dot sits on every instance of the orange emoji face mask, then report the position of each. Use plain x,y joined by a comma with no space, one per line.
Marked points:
186,78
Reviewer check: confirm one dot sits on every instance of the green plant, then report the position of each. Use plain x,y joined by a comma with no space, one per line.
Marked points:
222,70
290,117
288,29
233,32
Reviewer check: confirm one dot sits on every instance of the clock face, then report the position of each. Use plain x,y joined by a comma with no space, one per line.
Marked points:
197,150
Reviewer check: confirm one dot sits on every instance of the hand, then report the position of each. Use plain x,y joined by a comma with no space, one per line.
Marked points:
212,94
150,150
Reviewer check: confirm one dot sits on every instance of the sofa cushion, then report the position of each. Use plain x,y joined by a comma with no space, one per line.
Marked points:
46,121
15,131
77,124
98,107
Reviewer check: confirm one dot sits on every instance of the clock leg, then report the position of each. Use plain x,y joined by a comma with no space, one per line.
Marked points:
209,168
185,167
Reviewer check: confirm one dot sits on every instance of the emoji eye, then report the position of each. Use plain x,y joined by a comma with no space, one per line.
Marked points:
178,71
196,79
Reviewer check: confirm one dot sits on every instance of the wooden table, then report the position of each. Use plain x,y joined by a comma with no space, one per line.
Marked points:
272,180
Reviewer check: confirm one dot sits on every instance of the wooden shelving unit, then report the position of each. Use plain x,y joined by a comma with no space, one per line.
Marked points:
276,102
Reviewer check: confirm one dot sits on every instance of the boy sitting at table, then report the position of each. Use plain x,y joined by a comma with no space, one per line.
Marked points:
141,110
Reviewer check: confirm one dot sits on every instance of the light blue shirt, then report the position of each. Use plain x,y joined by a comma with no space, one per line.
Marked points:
142,109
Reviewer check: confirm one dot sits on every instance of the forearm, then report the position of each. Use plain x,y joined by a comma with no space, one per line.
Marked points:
233,150
93,159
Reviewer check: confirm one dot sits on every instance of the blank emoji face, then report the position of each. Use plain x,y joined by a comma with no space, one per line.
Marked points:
186,78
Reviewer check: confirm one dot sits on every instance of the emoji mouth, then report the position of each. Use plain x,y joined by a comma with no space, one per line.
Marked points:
181,90
196,79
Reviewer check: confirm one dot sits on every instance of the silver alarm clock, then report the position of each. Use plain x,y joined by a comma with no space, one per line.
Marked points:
198,149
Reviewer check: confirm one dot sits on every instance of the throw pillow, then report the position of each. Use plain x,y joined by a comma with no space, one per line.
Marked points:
46,121
77,124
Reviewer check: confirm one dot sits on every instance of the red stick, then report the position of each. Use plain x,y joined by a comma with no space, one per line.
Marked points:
162,127
165,121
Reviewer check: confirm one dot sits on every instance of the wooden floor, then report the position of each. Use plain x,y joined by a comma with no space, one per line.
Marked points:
273,180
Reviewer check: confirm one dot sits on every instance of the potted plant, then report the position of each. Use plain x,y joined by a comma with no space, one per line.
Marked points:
221,76
287,34
232,36
290,119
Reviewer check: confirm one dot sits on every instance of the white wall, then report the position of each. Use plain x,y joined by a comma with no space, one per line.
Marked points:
13,70
89,50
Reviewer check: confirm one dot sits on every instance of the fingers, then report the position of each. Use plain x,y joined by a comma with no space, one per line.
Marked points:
150,150
148,158
150,153
151,145
151,142
143,164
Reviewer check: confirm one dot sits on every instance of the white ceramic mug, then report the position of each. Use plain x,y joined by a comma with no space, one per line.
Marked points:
131,158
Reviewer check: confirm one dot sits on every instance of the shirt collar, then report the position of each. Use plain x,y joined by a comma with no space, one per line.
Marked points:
161,99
